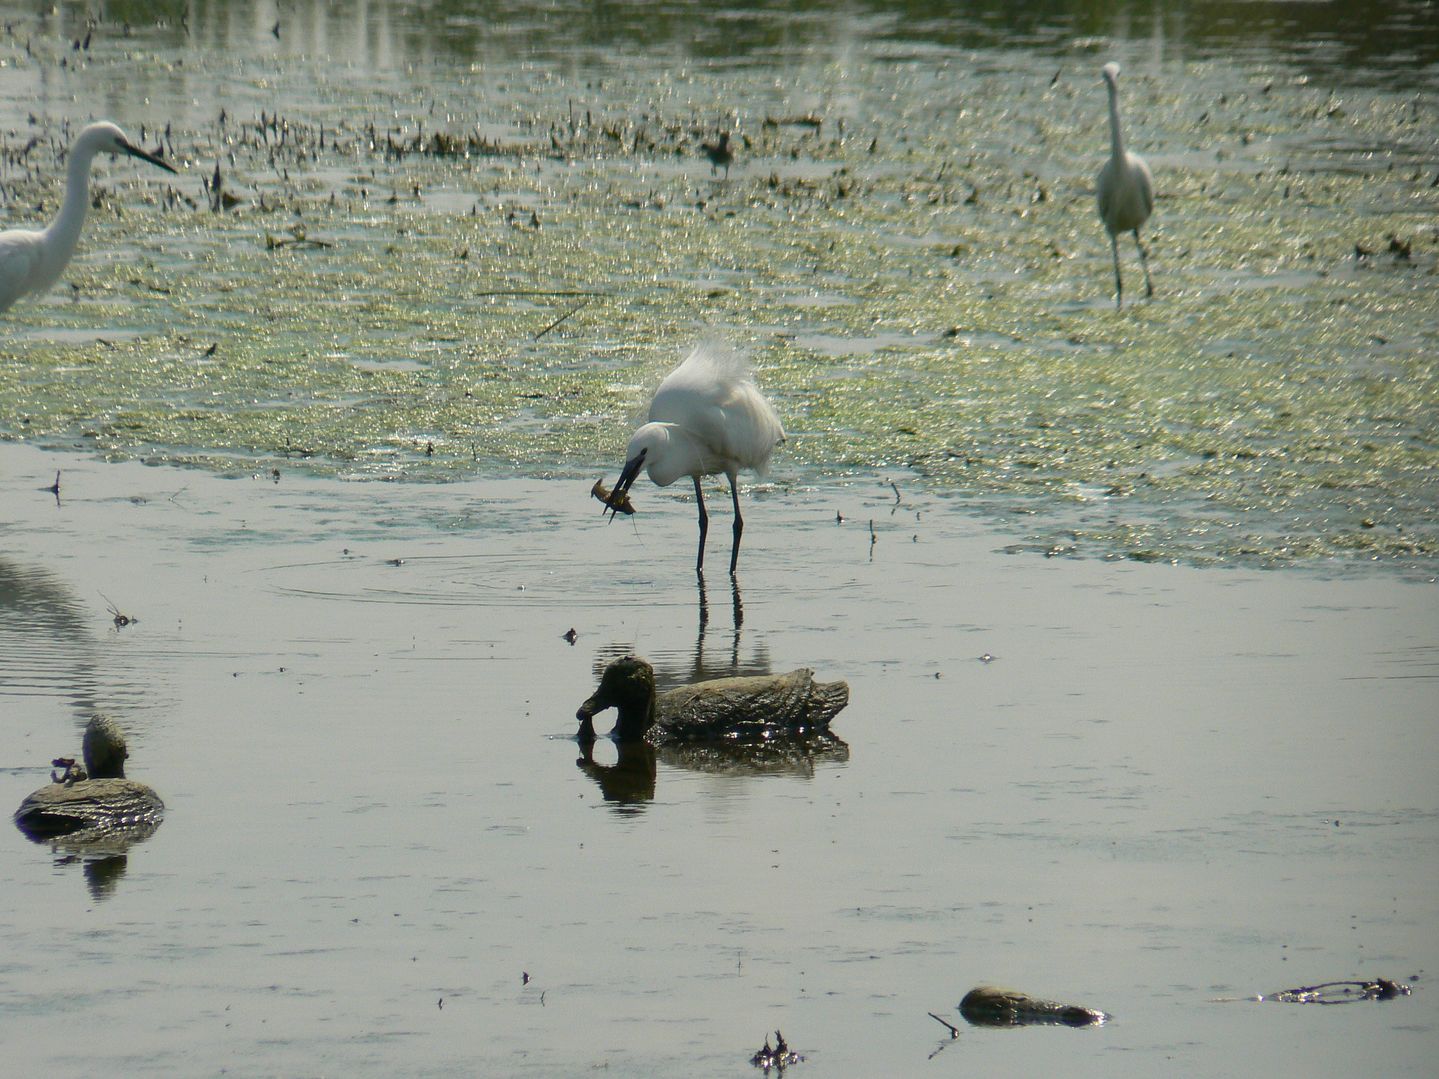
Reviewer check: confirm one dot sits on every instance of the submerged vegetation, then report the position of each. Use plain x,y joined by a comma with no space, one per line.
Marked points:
375,273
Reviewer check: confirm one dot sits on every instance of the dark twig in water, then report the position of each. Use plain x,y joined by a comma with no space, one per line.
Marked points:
54,488
298,239
1346,992
953,1034
953,1030
556,322
535,292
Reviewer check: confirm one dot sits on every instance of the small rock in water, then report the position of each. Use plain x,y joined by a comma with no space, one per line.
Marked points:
991,1006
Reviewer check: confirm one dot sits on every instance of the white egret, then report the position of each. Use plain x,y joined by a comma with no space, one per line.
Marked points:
33,261
1126,189
707,417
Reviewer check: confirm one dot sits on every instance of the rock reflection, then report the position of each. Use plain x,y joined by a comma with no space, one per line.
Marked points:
103,856
630,782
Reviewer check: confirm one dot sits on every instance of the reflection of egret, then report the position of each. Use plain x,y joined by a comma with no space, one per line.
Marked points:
33,261
45,642
1125,188
707,417
737,609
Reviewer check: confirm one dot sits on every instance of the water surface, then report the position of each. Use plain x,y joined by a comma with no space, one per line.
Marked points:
329,447
1166,786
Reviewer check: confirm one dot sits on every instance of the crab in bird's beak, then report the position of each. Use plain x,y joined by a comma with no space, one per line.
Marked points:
628,475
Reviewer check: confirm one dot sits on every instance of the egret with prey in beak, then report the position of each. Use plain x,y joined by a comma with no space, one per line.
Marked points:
707,417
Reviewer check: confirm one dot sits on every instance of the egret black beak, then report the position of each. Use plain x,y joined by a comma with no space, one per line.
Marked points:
135,151
627,479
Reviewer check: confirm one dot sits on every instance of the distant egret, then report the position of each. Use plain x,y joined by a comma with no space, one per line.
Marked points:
33,261
707,417
719,153
1126,189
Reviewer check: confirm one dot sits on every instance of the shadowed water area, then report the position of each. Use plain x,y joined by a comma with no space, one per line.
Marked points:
405,301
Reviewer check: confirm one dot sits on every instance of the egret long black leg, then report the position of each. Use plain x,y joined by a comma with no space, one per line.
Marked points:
738,524
1143,261
704,525
1118,281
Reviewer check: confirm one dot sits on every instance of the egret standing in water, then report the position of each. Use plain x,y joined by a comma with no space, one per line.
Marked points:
707,417
33,261
1126,189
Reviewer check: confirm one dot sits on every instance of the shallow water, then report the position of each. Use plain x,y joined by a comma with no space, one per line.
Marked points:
1167,786
520,235
1170,783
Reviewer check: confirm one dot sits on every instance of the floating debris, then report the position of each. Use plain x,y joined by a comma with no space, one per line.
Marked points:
1340,992
121,620
780,1057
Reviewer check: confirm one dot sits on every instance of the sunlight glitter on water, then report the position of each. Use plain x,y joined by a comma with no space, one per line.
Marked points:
443,354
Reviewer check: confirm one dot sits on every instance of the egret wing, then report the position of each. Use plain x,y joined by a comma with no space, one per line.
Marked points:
19,258
712,397
1146,182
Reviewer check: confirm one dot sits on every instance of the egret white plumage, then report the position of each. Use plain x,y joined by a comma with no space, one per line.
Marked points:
1125,188
32,261
707,417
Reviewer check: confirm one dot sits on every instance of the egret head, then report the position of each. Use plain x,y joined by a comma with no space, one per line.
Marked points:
646,449
106,138
1110,71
